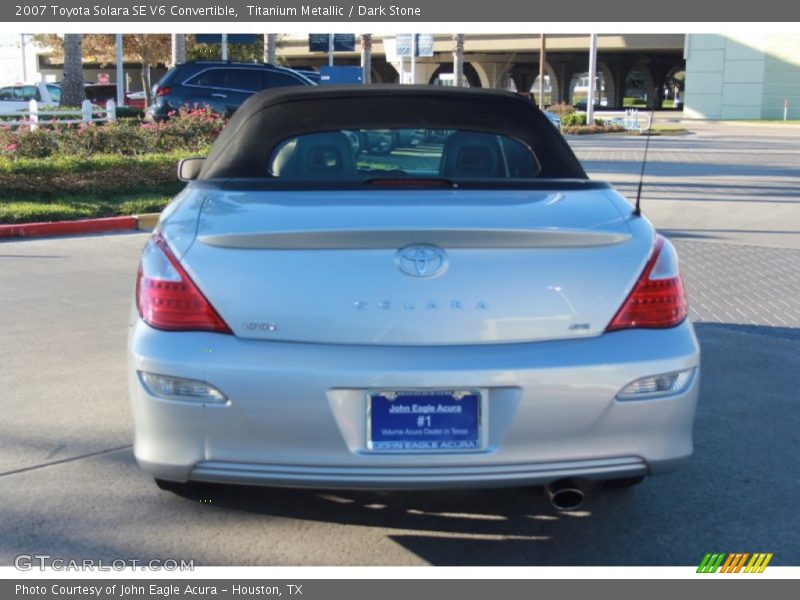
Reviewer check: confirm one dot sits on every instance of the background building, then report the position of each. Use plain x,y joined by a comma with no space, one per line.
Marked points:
711,76
742,76
18,58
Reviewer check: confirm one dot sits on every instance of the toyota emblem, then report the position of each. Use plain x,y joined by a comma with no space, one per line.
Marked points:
421,260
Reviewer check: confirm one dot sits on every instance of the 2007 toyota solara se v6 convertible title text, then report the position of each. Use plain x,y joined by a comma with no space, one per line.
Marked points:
406,287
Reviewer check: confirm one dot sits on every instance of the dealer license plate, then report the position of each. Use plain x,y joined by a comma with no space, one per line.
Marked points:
424,421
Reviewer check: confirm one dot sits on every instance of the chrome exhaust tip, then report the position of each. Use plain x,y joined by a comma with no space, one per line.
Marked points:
565,494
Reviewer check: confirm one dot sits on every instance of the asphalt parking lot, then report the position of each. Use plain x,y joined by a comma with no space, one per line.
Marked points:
729,196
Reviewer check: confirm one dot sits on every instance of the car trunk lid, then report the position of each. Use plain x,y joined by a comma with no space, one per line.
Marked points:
363,267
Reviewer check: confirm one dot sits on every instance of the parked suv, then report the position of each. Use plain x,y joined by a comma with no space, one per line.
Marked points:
222,85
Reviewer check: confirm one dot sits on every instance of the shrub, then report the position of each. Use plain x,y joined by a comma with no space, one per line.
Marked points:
561,109
574,119
39,143
587,129
190,130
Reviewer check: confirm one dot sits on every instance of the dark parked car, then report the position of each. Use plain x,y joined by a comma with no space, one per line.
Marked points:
311,74
222,85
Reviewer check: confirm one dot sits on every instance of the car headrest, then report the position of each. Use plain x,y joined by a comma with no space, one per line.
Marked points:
471,155
318,156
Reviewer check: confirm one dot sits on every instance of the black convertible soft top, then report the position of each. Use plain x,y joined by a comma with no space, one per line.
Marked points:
270,117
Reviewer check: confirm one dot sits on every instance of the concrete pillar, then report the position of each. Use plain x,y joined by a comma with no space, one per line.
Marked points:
491,74
652,92
618,72
426,71
564,72
523,76
659,73
610,83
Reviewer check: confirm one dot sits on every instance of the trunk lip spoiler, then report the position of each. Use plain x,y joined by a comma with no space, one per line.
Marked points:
383,238
274,184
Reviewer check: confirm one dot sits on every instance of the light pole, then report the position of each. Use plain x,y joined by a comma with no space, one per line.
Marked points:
120,70
24,57
413,58
541,71
592,76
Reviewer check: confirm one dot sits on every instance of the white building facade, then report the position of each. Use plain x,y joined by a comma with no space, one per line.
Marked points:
742,76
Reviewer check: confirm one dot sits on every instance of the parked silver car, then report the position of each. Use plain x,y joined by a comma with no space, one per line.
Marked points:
473,311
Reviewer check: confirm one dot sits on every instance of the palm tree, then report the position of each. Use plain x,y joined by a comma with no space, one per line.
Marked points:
72,92
270,44
178,48
458,59
366,56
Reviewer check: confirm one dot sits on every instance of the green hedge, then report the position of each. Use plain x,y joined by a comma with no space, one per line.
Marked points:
574,119
596,128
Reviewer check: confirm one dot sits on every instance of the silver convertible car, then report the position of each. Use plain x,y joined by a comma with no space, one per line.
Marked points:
468,311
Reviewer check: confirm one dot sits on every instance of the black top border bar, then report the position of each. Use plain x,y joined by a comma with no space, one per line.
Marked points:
405,11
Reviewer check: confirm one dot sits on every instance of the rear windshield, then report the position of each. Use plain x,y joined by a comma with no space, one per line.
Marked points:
366,154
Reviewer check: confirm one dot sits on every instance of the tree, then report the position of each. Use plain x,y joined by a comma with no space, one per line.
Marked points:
150,49
366,56
270,42
72,92
241,52
458,59
146,49
178,48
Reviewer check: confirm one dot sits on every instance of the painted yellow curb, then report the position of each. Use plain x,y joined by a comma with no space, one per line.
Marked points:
147,222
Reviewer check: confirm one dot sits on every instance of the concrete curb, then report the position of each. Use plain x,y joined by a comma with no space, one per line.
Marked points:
58,228
147,222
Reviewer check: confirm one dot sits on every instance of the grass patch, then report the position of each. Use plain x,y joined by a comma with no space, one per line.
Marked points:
100,175
628,102
662,130
61,188
69,208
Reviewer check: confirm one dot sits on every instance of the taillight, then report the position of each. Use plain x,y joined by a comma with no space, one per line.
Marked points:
163,91
166,296
657,299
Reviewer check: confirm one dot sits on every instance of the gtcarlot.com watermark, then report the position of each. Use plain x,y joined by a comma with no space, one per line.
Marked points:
29,562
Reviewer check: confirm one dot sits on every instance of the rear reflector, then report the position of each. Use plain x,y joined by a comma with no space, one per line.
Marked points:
163,91
655,386
166,296
178,388
657,299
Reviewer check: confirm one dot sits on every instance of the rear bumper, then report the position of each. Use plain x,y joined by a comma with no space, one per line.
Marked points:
297,412
415,477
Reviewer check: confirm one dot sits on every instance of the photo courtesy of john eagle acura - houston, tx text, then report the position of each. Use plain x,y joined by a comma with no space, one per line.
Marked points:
313,312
